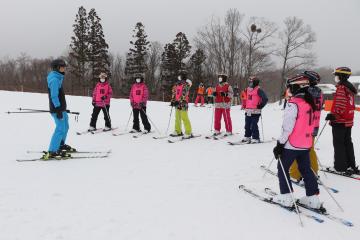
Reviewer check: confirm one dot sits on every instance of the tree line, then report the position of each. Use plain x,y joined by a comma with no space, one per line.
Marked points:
233,45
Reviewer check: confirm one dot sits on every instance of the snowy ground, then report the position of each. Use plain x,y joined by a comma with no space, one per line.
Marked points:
150,189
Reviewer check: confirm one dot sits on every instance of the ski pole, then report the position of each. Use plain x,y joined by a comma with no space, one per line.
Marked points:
150,121
39,111
321,166
9,112
168,126
268,167
327,190
262,128
127,124
317,139
212,118
291,193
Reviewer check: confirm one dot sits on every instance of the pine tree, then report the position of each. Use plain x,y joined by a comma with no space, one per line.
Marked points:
196,66
136,57
173,60
182,48
98,48
79,48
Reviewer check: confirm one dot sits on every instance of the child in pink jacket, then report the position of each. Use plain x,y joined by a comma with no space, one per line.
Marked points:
139,96
101,101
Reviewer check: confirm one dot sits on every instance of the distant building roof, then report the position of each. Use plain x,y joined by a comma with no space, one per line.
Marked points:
327,88
354,79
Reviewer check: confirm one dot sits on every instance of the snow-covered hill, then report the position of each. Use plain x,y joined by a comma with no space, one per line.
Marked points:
150,189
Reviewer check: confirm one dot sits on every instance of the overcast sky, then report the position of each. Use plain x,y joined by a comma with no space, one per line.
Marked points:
43,28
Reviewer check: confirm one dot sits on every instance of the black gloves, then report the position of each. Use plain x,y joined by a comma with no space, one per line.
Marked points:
330,117
260,106
59,113
214,94
278,150
103,98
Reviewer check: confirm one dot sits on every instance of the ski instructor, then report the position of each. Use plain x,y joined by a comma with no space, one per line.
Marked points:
58,149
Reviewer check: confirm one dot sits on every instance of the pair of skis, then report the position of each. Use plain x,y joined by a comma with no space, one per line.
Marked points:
248,142
219,136
322,211
180,139
74,155
343,174
99,130
174,139
300,184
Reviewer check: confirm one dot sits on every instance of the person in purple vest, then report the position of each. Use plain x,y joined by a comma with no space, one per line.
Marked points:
295,143
139,95
256,100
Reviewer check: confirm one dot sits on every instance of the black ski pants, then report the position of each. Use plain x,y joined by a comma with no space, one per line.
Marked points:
95,115
344,156
144,119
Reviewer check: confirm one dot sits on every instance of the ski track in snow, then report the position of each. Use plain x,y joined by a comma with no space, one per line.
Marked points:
150,189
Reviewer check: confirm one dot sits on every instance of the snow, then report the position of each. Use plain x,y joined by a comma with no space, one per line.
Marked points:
150,189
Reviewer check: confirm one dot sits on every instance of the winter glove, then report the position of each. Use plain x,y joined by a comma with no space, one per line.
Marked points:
132,104
93,103
330,117
59,113
214,94
278,150
316,131
103,98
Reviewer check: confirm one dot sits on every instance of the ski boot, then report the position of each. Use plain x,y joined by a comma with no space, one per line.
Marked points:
67,148
175,134
106,129
91,129
188,136
59,155
284,200
216,133
255,141
351,171
246,140
311,202
135,131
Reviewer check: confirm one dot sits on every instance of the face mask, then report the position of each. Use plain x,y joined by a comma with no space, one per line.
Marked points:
337,79
138,80
102,80
220,80
179,78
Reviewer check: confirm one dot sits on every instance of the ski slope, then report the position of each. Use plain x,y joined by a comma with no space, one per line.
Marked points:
150,189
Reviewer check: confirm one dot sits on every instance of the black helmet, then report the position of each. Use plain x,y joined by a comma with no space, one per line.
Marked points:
343,72
139,75
224,76
254,82
183,74
57,63
294,84
313,77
